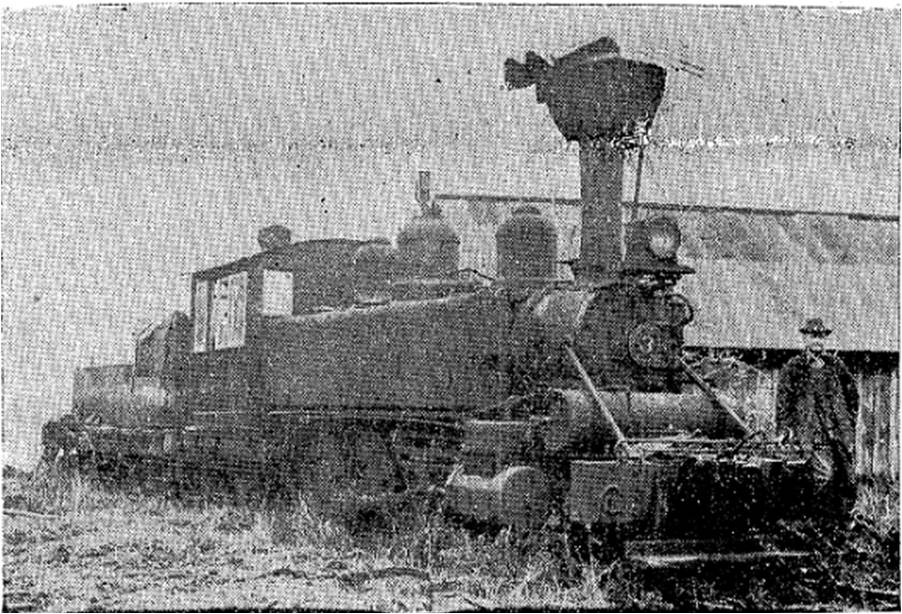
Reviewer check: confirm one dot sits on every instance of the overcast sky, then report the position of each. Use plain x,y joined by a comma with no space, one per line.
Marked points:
141,143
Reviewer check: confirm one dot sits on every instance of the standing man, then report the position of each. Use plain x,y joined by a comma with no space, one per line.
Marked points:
817,406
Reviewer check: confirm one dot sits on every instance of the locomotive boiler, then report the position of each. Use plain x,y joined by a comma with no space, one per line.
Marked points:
340,363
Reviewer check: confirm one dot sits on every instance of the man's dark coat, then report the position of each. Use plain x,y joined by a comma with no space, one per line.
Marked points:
818,400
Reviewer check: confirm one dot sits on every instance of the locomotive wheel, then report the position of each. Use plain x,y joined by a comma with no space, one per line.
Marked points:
594,543
341,468
321,468
371,470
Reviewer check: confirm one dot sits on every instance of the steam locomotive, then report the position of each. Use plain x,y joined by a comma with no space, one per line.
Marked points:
344,363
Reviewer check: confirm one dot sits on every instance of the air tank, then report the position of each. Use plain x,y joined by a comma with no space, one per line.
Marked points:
526,245
428,247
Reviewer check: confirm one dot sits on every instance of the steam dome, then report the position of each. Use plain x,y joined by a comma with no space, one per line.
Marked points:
428,247
526,245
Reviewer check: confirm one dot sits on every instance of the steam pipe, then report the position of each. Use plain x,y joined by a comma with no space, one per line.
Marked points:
634,210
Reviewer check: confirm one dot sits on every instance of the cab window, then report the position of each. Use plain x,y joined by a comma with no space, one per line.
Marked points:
201,320
278,293
229,308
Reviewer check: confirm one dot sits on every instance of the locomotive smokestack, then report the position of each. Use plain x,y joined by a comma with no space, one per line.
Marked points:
599,99
601,186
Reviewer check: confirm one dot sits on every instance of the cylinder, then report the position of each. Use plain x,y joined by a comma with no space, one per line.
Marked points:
518,496
576,420
649,414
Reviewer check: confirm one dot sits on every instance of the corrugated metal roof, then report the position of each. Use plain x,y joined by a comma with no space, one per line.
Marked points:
758,276
765,238
863,178
762,304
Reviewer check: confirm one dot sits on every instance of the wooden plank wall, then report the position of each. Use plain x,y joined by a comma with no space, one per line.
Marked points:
894,426
878,454
877,432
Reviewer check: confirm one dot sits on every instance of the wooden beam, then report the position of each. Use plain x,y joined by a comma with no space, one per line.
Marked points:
860,429
886,412
864,427
894,424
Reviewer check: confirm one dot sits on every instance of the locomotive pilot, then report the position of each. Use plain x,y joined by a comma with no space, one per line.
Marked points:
817,406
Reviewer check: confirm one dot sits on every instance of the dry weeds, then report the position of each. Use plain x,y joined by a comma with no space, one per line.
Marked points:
125,549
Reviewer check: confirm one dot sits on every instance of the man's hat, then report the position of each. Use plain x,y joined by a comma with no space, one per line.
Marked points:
815,327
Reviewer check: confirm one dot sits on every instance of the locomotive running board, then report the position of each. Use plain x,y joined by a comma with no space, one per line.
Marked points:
676,554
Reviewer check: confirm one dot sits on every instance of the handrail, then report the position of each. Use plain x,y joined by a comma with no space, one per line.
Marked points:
590,386
714,397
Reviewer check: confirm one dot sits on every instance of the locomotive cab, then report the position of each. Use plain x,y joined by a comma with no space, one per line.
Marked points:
231,305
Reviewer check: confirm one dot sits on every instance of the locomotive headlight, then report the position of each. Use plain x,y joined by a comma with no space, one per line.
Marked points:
663,238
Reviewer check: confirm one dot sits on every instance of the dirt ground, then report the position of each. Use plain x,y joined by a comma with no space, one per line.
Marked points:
123,561
96,549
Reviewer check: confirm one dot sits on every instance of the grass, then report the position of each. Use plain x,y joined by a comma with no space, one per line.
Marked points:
126,549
